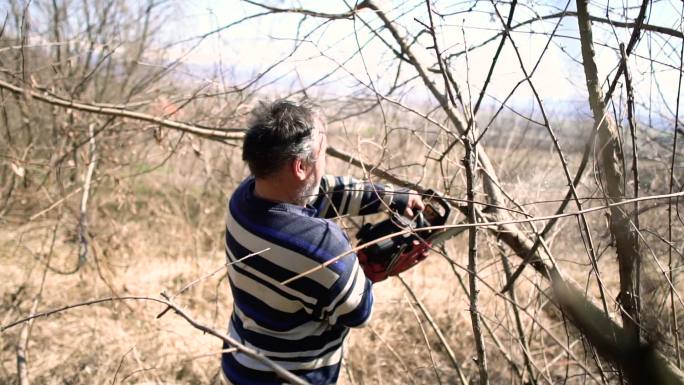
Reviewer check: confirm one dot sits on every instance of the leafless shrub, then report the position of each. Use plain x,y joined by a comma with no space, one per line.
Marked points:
110,157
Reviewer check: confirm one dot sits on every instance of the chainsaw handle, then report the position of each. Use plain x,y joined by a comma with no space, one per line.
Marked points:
433,197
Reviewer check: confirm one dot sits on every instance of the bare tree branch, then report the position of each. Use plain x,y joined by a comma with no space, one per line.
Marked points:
560,15
284,374
331,16
211,133
611,161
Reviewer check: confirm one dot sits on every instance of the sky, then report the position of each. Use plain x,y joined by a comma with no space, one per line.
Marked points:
206,36
254,45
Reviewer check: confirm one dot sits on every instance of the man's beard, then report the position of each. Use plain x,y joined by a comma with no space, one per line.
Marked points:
309,191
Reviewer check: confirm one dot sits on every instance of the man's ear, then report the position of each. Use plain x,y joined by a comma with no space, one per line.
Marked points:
300,169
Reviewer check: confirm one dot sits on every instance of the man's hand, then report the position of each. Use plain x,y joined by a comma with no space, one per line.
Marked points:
377,272
415,203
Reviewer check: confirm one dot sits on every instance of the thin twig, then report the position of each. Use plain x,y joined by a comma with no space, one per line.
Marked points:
560,15
202,278
598,124
504,34
279,370
306,12
427,343
83,219
518,322
438,332
488,224
22,344
211,133
674,324
533,317
584,226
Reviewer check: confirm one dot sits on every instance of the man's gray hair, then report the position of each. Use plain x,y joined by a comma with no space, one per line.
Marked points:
279,132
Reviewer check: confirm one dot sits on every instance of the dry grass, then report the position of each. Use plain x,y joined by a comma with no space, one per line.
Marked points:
162,230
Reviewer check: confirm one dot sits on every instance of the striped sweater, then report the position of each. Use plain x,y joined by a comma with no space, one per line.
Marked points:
302,325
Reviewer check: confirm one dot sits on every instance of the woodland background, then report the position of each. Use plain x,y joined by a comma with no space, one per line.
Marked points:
553,127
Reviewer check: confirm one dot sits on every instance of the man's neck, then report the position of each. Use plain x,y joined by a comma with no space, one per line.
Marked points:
276,190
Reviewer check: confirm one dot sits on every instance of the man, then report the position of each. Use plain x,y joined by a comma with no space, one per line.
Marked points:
275,230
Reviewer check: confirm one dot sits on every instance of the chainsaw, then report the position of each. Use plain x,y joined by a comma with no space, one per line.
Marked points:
392,255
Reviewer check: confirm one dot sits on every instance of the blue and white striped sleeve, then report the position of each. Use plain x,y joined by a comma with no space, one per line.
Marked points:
353,305
340,195
350,300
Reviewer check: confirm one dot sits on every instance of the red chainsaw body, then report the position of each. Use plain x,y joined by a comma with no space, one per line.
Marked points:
387,255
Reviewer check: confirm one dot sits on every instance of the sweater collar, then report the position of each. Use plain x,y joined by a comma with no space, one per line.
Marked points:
252,201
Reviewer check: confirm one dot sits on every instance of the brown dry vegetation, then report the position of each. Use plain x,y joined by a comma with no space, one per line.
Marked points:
163,229
153,219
